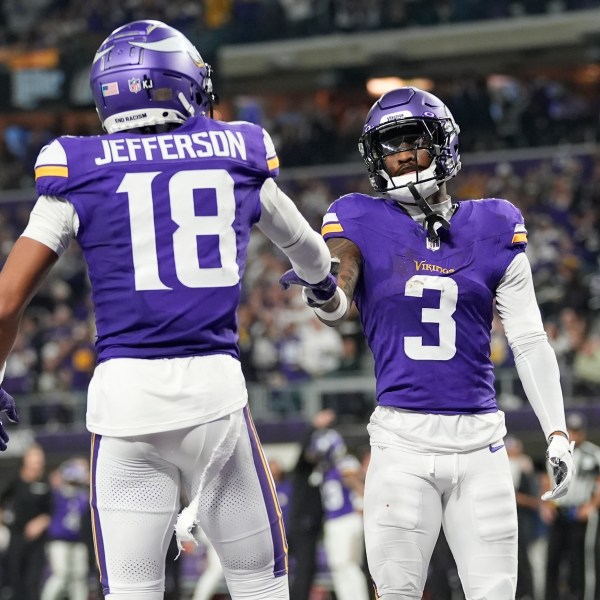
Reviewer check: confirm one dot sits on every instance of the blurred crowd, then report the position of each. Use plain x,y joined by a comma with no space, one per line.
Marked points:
559,200
323,128
40,23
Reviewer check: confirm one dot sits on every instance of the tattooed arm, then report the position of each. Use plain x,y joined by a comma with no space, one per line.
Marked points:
349,272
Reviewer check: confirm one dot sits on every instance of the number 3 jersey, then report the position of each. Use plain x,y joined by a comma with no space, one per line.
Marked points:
427,310
164,224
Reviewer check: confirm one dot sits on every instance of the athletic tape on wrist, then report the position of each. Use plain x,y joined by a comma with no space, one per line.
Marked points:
339,312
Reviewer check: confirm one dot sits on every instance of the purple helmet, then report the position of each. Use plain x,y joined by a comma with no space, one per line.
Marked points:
147,73
409,118
74,471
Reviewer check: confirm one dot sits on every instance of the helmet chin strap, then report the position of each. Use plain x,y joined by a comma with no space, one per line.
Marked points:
410,192
433,221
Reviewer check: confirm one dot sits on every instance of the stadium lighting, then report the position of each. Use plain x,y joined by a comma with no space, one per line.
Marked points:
380,85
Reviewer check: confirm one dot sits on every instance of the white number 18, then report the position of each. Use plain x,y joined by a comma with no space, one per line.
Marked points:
138,187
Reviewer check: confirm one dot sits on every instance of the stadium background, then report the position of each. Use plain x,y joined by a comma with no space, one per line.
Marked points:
522,79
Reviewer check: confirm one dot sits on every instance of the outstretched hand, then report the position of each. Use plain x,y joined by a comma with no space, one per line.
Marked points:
314,294
7,405
560,456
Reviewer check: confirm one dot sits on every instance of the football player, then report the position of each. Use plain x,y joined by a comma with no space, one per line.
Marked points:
337,473
424,272
66,545
162,207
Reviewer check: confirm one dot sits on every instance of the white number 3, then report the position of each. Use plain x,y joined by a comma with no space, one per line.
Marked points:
446,349
138,187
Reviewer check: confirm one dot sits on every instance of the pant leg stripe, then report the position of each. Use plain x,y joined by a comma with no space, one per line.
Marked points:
270,495
96,528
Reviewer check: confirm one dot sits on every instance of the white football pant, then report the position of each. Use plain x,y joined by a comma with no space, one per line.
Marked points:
136,488
471,495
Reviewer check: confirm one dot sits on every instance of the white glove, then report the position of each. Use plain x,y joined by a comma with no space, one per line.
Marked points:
560,457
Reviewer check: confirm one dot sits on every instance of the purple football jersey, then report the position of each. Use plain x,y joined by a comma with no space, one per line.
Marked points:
329,449
70,511
164,224
427,312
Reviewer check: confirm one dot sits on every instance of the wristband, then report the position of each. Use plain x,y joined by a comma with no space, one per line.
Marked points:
558,432
338,313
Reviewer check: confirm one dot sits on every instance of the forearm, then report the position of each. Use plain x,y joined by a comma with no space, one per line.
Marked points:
538,370
534,358
309,256
348,275
11,311
25,268
9,327
283,224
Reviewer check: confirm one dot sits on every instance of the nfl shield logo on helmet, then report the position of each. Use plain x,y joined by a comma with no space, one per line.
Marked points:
135,85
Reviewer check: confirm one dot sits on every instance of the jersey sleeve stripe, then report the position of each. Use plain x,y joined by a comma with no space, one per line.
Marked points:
519,238
330,218
331,228
273,163
51,171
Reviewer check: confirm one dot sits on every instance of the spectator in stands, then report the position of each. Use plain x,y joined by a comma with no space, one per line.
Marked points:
27,507
321,348
586,367
570,518
19,374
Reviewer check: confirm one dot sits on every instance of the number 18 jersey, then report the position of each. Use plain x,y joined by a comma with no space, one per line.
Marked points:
164,224
427,310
